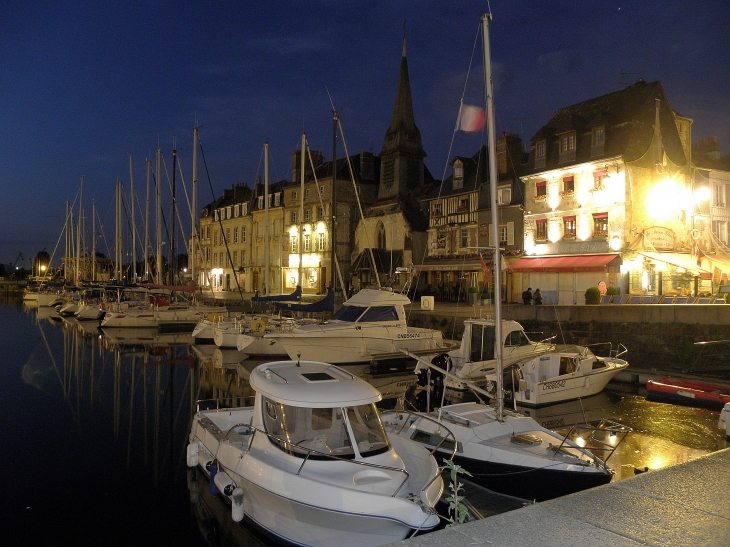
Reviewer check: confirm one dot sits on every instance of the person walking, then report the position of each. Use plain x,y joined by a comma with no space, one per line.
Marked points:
537,297
527,296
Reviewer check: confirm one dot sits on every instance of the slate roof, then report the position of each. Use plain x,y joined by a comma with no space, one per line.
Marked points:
629,118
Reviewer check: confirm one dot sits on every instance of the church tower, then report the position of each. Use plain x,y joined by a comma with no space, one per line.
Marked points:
401,159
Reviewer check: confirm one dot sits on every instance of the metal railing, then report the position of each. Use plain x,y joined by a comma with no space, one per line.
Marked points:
593,444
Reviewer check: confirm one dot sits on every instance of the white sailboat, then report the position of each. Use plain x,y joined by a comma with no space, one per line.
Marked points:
504,450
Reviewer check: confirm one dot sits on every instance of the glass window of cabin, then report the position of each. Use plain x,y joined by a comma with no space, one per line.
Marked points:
379,313
482,342
517,338
370,437
348,313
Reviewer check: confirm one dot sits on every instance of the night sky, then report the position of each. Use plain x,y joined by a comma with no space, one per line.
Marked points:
85,84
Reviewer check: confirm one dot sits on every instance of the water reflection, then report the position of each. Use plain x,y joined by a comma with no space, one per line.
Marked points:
132,393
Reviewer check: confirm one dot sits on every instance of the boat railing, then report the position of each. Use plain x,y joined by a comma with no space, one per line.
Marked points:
408,417
611,352
591,440
217,404
307,452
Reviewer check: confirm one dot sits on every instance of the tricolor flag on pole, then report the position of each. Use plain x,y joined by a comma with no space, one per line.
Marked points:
471,118
486,270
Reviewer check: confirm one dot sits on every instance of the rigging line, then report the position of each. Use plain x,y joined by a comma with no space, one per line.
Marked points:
321,203
448,156
357,196
220,219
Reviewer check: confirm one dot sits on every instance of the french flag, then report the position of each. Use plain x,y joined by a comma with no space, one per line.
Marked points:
471,118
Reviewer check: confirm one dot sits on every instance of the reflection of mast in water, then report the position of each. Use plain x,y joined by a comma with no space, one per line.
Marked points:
134,356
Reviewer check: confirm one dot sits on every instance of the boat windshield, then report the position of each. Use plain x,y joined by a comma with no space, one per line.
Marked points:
379,313
322,431
348,313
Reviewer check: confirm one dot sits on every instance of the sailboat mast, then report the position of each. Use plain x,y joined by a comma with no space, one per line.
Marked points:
158,260
67,261
147,224
93,242
173,216
266,218
301,209
489,92
134,226
193,253
333,233
118,228
78,236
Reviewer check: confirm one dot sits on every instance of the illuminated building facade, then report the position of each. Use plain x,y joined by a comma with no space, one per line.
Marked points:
610,200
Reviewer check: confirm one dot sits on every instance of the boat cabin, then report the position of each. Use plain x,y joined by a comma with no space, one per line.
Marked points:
317,410
371,306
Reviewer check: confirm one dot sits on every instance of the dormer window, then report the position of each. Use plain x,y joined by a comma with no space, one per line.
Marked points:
540,153
277,199
567,147
244,211
598,139
540,150
261,202
229,211
458,175
504,196
236,211
294,196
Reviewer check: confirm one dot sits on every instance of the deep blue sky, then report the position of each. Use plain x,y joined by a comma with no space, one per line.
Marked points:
83,84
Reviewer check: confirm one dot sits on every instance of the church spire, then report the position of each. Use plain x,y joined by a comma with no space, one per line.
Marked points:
402,154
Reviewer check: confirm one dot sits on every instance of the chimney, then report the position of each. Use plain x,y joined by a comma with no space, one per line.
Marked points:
509,153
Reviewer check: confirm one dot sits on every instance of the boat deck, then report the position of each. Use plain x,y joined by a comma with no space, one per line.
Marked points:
684,505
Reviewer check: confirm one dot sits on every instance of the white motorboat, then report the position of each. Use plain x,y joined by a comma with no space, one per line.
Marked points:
370,325
253,340
569,373
310,463
476,356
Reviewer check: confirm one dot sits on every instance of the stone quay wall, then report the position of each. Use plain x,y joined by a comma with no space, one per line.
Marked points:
656,336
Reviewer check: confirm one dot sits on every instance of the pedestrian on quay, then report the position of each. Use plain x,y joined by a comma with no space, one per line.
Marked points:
527,296
537,297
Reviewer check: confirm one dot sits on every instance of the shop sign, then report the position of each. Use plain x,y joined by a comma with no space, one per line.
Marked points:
660,237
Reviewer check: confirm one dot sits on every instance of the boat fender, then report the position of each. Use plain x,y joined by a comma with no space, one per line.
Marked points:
193,487
237,505
225,483
192,454
213,469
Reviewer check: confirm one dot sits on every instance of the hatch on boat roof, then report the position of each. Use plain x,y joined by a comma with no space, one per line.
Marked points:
311,384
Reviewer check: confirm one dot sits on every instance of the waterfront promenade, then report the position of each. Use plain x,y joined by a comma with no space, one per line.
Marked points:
684,505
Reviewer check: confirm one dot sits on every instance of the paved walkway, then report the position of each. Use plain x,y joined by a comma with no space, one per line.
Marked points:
685,505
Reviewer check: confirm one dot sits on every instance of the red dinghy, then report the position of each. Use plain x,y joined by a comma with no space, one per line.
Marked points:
688,392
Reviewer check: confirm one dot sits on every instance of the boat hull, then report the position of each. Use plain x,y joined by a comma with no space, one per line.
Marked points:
568,388
343,346
530,483
688,392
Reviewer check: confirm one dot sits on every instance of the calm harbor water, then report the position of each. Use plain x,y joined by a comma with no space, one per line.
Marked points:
96,425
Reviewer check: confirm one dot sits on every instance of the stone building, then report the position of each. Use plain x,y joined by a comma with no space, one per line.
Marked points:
609,200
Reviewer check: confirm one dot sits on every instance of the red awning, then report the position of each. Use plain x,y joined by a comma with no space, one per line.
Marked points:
575,263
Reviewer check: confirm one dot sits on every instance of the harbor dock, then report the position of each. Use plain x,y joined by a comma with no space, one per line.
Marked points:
684,505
